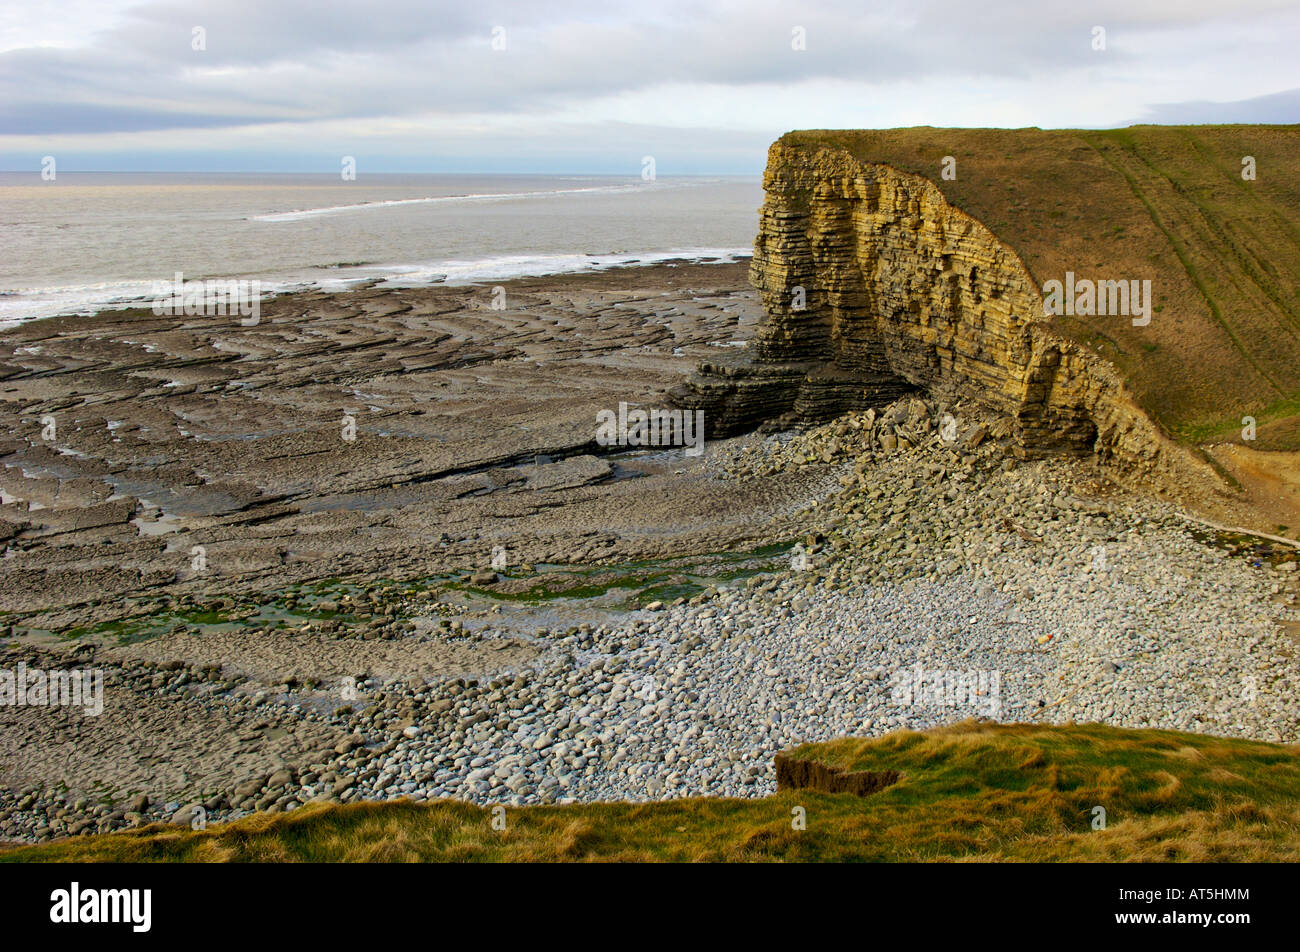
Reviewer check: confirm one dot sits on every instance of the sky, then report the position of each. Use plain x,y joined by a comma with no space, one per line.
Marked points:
559,86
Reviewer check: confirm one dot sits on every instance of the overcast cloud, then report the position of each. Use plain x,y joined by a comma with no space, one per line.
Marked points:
401,85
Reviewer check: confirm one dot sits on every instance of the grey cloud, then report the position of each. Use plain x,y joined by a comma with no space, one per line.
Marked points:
316,60
1283,107
59,118
299,60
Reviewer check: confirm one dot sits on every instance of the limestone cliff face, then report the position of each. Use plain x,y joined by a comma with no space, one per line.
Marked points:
874,285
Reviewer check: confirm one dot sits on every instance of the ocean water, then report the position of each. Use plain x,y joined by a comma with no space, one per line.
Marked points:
92,240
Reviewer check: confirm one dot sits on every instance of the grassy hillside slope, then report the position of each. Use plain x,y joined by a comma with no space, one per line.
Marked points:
967,792
1161,202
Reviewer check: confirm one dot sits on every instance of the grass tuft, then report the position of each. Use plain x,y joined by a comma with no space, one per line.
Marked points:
967,792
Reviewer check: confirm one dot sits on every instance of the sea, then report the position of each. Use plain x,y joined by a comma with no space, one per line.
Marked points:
89,241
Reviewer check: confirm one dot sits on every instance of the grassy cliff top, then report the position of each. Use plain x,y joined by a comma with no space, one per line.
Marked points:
970,792
1162,202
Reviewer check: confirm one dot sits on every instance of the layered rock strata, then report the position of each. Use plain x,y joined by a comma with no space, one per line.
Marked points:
874,285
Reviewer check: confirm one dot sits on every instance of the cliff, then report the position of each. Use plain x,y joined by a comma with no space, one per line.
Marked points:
875,284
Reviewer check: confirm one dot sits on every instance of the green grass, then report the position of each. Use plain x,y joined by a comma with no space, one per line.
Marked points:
967,792
1282,410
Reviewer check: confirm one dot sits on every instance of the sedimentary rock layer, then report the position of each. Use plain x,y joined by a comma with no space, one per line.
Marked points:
873,285
129,439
